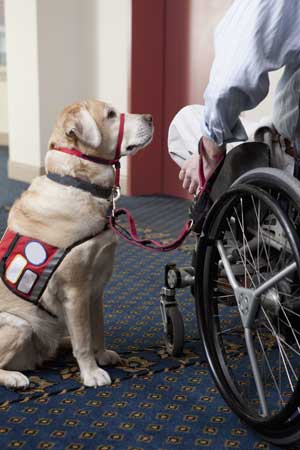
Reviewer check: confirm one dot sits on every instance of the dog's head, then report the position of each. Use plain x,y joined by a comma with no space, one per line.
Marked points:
93,127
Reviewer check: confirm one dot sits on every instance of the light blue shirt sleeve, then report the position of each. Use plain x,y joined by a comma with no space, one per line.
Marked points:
254,38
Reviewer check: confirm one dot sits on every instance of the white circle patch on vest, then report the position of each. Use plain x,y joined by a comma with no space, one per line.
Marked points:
35,253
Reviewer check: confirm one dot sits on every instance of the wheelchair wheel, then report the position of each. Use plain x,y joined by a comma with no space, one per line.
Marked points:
247,301
284,188
174,335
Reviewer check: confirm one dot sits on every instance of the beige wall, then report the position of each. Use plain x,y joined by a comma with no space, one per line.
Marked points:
106,49
86,57
3,103
22,77
60,52
204,16
3,90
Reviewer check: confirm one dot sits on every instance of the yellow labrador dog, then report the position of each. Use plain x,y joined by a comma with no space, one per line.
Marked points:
61,215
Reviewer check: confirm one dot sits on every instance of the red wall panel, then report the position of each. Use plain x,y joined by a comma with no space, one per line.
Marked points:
145,170
172,52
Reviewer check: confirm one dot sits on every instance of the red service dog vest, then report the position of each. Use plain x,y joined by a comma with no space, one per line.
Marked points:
27,264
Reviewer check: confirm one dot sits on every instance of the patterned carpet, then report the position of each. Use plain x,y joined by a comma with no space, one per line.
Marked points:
155,402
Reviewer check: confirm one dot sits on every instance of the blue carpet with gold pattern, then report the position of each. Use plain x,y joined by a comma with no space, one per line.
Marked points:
156,401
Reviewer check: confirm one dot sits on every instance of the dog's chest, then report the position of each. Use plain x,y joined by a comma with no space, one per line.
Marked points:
90,264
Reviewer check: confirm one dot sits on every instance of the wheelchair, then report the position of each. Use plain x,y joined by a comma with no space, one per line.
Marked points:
245,277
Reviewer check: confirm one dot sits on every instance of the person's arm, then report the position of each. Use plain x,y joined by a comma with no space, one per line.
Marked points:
254,38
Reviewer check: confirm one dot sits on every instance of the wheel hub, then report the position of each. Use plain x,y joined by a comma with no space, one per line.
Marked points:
271,301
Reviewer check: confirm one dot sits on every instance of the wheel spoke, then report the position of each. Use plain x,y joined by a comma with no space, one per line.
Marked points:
262,239
291,310
236,327
242,259
269,366
291,328
245,240
282,353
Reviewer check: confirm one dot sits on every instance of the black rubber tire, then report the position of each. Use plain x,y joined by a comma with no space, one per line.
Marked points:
285,432
174,337
274,181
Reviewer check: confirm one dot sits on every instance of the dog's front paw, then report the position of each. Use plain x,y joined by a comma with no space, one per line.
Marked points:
108,358
96,377
14,379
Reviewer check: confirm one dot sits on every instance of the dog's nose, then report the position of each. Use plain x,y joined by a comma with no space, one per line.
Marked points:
148,118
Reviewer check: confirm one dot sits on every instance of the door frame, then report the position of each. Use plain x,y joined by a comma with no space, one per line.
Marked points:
145,170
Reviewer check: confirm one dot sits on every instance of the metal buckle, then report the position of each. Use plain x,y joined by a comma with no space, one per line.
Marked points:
116,194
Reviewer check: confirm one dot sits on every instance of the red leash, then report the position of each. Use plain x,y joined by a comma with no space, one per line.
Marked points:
130,236
150,244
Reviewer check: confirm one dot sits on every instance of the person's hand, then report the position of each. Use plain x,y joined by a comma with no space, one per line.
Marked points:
189,174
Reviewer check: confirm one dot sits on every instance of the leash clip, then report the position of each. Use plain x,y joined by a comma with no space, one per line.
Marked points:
116,194
191,224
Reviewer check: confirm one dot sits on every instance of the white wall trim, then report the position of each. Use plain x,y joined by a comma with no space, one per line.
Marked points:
26,173
3,75
124,184
23,172
4,139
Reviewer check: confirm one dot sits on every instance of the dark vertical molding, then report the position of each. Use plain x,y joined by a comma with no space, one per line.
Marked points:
145,170
176,82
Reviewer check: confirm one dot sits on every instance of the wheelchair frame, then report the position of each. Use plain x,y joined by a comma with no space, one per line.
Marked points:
282,426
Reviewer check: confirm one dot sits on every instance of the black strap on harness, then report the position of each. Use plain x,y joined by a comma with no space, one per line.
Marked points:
297,167
6,256
94,189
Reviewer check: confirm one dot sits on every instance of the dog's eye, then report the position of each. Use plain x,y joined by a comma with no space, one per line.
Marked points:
111,114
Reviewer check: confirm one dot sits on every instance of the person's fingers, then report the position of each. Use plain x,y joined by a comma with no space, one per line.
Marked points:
193,186
189,174
186,182
181,174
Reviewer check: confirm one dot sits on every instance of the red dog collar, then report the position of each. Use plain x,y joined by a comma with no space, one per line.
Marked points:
95,159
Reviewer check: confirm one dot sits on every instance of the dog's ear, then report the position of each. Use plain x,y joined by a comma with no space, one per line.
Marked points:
83,126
